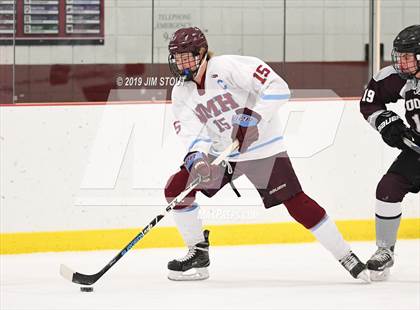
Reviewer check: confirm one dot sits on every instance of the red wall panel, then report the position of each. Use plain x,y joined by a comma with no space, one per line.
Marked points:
93,82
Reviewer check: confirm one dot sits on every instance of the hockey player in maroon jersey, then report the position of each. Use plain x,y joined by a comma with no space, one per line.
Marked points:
398,81
224,98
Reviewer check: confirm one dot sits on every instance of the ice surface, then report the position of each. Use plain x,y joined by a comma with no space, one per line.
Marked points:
298,276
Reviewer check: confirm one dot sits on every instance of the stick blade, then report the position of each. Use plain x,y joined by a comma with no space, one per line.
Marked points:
79,278
66,272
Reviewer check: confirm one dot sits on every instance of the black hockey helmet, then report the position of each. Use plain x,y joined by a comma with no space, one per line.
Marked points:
407,41
187,40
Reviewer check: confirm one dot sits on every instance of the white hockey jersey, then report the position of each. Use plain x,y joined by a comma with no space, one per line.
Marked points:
204,120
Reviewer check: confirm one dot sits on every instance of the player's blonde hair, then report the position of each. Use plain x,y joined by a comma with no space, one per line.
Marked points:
210,54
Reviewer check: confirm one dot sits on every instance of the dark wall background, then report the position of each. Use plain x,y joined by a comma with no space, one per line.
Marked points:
93,82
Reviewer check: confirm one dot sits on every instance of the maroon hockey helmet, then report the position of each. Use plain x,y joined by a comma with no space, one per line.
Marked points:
187,40
190,39
407,41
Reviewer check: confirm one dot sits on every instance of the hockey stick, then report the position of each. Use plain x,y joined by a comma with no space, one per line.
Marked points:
412,145
86,279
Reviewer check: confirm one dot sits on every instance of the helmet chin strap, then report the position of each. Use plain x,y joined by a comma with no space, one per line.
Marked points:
202,68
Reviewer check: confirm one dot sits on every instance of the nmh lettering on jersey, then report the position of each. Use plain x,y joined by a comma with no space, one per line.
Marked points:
215,106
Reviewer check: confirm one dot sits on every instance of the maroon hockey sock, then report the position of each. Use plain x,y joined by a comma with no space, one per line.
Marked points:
176,184
304,210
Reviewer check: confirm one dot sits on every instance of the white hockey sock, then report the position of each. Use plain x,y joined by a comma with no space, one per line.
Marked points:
328,235
189,225
387,220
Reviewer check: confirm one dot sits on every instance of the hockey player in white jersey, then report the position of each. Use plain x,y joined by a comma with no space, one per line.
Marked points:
224,98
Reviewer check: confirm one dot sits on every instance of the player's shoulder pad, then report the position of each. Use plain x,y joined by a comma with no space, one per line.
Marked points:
220,62
384,73
222,65
238,60
233,60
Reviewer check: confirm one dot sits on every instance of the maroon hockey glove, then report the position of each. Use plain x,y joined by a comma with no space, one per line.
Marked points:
197,164
245,128
392,129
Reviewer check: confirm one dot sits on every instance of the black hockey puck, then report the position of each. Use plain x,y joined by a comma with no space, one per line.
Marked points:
86,289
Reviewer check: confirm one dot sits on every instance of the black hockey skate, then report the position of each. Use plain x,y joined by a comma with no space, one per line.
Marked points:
380,263
194,265
356,268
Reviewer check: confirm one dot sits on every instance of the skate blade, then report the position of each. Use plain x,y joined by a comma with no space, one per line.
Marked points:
380,275
364,276
194,274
